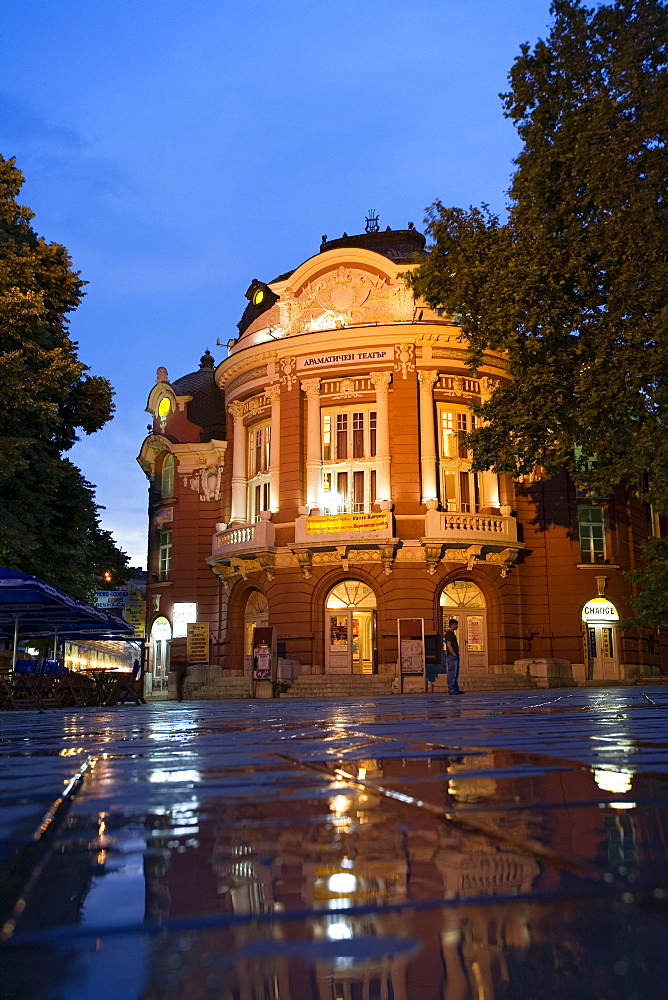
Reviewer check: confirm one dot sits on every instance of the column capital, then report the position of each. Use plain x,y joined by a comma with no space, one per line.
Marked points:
381,380
427,380
311,387
273,393
236,409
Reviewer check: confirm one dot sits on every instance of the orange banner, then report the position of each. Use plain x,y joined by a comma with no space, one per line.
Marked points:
346,523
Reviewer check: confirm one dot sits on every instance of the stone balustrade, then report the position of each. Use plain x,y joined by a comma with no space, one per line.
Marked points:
494,529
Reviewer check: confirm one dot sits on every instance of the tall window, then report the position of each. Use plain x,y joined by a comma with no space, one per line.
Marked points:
165,555
167,477
259,460
592,534
460,487
349,457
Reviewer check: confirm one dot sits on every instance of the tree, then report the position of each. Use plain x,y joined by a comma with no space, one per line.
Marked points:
49,522
573,284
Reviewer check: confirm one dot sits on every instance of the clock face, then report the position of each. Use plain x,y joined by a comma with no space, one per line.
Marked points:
164,406
258,297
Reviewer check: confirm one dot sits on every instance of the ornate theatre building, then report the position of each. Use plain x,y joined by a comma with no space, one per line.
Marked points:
315,481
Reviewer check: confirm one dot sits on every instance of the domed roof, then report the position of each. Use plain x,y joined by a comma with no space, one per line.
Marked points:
207,406
397,244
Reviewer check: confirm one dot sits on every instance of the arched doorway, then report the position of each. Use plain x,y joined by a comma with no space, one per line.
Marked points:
350,629
462,600
256,615
161,634
601,639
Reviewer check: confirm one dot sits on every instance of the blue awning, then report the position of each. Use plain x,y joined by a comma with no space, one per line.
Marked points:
42,610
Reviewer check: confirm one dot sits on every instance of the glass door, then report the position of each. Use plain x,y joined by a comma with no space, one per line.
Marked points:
602,652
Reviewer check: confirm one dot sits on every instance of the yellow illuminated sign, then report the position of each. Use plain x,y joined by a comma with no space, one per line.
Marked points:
333,523
599,609
198,642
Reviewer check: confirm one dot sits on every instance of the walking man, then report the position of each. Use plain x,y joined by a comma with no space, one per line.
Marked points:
452,656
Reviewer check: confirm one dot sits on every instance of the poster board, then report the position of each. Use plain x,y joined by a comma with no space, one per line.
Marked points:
134,613
411,649
198,642
265,659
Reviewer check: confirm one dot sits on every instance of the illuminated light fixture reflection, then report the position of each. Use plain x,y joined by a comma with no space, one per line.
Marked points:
183,775
340,805
339,931
613,781
342,883
332,501
622,805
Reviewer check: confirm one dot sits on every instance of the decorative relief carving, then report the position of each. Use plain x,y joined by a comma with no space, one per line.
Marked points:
249,376
253,406
349,388
489,385
206,482
311,387
288,376
236,409
273,394
457,385
343,297
380,381
404,359
427,380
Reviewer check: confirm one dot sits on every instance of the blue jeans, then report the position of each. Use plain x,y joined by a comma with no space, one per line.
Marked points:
452,663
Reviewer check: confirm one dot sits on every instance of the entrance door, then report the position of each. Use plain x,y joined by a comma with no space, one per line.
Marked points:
255,616
602,652
463,601
350,629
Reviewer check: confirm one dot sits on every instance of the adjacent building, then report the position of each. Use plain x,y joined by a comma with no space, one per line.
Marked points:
316,481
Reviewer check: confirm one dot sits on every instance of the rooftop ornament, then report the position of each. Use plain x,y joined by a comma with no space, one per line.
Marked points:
371,220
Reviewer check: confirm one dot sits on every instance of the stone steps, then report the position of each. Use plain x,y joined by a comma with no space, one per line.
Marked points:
330,686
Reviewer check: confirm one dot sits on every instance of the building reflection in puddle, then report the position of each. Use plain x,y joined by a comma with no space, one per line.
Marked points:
331,890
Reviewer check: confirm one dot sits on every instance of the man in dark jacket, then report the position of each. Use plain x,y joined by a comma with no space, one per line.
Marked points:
452,656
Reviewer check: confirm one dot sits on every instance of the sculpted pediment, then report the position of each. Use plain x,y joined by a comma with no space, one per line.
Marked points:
346,296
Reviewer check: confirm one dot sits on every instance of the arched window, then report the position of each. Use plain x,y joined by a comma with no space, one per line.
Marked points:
167,477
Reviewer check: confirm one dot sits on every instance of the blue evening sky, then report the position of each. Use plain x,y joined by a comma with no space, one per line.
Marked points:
180,148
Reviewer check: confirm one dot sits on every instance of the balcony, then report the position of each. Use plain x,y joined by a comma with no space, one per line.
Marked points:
469,529
244,538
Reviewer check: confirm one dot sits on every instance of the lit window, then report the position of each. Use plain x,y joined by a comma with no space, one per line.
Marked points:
460,486
259,461
592,534
165,555
167,478
348,455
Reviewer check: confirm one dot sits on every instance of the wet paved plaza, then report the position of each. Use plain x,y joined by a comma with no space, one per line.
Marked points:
497,846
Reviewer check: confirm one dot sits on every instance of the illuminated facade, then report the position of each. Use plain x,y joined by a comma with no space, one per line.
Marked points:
316,481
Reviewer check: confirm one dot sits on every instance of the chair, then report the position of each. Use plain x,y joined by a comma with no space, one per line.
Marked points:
121,687
6,693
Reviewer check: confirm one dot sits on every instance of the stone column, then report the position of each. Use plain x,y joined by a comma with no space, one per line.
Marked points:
238,515
311,387
427,436
489,480
273,394
381,382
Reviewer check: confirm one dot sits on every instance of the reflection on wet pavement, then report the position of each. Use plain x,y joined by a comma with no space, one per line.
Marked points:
514,847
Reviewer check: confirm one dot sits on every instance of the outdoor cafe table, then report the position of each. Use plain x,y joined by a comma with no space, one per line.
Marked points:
101,690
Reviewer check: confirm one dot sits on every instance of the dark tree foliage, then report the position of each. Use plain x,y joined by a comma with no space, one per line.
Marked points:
574,283
49,521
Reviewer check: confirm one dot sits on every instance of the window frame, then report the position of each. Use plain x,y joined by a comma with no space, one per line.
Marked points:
348,441
459,487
